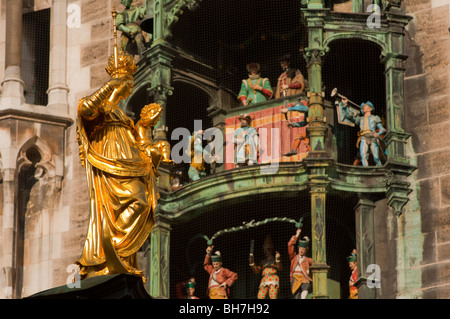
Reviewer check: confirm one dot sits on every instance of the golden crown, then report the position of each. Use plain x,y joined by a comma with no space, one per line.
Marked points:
125,65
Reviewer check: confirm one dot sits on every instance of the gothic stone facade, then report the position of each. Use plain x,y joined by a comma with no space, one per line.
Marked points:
42,233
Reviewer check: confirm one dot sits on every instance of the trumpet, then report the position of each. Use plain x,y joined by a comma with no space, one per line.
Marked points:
335,92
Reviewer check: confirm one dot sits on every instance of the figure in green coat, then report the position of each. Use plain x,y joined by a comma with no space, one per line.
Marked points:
255,89
132,40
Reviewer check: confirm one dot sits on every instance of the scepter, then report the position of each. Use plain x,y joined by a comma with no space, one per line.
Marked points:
114,15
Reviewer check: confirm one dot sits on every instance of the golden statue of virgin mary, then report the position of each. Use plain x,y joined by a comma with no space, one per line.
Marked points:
121,174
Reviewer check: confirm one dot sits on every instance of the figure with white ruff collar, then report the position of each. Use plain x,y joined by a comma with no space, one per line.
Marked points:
255,89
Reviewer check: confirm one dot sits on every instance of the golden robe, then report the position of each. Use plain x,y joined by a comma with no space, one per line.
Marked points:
121,182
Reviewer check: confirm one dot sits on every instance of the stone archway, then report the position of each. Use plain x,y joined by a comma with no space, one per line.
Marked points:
26,171
359,77
36,198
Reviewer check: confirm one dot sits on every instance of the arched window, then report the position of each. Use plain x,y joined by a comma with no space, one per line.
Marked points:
35,56
25,181
353,66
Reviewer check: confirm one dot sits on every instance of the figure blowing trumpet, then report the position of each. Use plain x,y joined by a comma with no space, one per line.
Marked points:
370,127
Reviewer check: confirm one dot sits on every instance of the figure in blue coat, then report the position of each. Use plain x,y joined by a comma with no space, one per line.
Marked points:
370,129
301,107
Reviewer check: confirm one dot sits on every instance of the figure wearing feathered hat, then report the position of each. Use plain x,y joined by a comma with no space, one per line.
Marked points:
220,278
300,263
246,143
190,289
370,130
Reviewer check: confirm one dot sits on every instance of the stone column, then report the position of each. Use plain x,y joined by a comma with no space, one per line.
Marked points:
58,89
158,21
319,267
159,258
160,57
394,61
7,233
398,167
317,127
317,161
396,137
365,247
160,64
358,6
12,85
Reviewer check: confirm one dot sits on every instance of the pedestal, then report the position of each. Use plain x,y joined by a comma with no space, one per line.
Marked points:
101,287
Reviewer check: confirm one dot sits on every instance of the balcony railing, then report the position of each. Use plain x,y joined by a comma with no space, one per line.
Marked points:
276,137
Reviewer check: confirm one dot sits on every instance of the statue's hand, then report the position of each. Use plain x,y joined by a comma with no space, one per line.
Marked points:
116,82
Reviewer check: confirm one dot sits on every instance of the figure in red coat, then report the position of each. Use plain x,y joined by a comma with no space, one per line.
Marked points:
220,278
354,276
300,263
